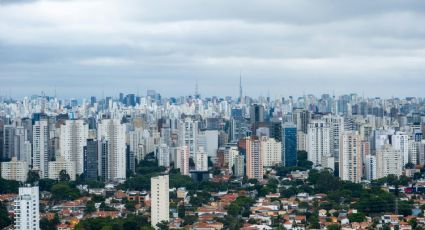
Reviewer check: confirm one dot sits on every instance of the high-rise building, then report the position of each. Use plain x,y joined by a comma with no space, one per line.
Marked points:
336,125
91,160
208,139
22,147
239,166
137,140
271,151
232,152
189,134
301,118
73,139
318,139
289,144
163,155
388,161
254,161
40,159
400,141
370,167
256,113
413,151
160,201
103,159
201,160
26,209
182,160
112,131
14,170
8,142
350,159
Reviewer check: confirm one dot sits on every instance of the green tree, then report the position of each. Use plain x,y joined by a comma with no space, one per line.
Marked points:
130,206
90,207
181,211
5,220
32,177
46,184
405,208
189,220
8,186
356,217
64,191
334,227
46,224
163,225
64,176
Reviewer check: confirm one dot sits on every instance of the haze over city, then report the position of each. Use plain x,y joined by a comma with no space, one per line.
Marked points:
286,48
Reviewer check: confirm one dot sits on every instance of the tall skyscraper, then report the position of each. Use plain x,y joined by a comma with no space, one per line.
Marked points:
336,125
182,160
91,160
388,161
256,113
8,142
40,159
189,134
163,155
289,144
350,159
26,209
400,141
112,131
239,166
201,160
254,162
318,139
240,89
232,152
103,159
370,167
73,139
160,201
22,147
271,151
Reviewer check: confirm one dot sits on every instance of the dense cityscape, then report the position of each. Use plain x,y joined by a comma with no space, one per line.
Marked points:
147,162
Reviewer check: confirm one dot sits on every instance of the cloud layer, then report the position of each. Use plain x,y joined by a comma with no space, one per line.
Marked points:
82,48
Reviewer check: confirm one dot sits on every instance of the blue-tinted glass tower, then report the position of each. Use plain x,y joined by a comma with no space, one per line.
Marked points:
289,144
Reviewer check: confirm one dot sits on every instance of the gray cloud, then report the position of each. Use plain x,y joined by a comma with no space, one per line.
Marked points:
285,47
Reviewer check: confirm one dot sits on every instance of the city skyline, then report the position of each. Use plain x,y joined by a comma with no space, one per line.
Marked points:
285,48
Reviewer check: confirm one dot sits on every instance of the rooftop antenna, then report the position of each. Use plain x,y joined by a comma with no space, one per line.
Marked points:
196,88
240,86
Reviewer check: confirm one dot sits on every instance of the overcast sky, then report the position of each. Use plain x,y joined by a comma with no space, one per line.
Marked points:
84,47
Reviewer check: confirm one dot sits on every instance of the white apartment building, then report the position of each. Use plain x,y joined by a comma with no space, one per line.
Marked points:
73,139
388,161
254,161
112,131
182,159
318,141
400,141
271,151
350,158
160,201
201,160
26,208
40,159
55,167
14,170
